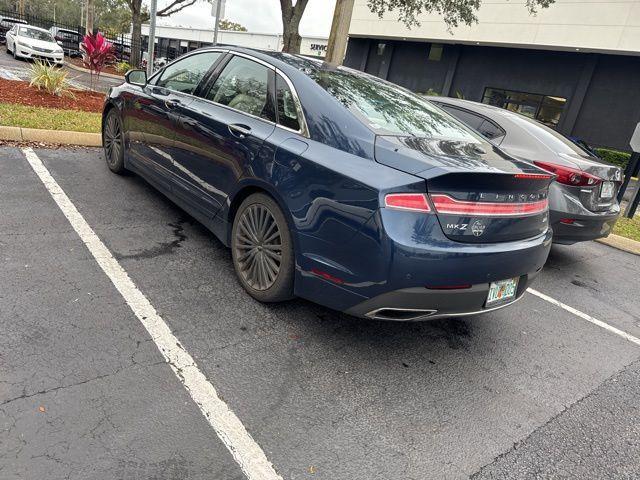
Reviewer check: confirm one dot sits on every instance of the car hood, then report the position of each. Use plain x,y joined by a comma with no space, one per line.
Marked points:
38,43
431,157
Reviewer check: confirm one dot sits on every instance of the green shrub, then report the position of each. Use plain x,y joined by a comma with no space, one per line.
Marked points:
122,67
615,157
53,80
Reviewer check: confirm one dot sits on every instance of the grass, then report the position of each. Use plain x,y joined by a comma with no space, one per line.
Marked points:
628,227
13,115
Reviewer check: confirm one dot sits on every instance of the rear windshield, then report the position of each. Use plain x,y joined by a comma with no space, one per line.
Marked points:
35,34
390,110
554,140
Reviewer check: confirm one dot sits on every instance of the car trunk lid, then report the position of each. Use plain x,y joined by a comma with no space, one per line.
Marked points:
479,194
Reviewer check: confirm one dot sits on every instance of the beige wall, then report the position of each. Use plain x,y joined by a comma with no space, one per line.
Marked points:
612,26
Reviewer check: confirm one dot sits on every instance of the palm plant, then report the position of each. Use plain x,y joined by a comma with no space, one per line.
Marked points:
45,76
97,53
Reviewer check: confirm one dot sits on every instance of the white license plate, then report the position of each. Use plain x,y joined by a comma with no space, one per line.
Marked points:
502,291
606,190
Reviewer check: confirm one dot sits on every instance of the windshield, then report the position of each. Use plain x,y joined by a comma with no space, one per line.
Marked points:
35,34
390,110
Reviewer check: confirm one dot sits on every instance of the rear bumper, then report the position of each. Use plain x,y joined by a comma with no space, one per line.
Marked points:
583,227
420,303
406,265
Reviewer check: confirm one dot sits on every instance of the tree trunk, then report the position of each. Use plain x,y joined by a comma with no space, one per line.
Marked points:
291,16
90,12
291,39
136,39
337,47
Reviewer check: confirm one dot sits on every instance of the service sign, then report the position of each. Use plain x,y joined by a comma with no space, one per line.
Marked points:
635,139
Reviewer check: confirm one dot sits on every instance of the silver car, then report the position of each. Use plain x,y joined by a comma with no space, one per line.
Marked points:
582,200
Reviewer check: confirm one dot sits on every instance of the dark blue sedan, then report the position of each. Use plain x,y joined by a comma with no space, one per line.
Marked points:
332,185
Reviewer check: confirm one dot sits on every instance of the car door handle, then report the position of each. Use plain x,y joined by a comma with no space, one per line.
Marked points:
171,104
188,123
239,130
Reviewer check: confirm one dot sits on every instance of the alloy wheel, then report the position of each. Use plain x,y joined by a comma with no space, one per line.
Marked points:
258,247
112,140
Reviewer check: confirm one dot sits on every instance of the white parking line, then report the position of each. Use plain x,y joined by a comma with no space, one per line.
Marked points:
586,317
246,452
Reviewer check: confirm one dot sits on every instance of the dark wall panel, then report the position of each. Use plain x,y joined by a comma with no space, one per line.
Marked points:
531,71
411,67
611,108
607,116
357,51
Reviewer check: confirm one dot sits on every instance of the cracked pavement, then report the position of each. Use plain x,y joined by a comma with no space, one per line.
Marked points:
526,392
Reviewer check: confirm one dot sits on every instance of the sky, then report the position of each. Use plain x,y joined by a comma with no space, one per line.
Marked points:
260,16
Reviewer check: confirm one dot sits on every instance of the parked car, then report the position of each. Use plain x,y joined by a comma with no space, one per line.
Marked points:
333,185
122,51
27,41
69,40
6,23
582,200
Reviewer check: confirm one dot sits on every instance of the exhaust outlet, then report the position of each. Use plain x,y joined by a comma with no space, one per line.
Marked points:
400,314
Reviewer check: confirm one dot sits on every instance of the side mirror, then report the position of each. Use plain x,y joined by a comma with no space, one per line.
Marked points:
136,77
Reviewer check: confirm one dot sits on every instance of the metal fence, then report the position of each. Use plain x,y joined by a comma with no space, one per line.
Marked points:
71,44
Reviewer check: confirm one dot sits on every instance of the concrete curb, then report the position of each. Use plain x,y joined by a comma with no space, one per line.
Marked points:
18,134
621,243
85,70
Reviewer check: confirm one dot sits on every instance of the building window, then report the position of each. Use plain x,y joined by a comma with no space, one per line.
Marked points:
435,52
381,48
544,108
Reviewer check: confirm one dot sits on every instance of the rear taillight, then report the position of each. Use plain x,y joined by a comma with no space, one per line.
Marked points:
451,206
416,202
570,176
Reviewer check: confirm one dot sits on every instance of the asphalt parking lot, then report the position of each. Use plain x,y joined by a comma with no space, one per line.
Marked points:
532,391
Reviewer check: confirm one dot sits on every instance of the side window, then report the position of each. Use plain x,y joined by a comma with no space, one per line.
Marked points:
243,85
185,75
287,111
490,130
464,116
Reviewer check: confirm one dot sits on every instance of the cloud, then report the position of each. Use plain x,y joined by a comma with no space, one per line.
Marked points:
261,16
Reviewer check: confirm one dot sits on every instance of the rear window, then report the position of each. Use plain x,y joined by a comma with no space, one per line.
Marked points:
390,110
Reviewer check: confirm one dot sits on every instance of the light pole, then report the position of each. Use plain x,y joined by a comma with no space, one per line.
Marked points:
152,36
217,25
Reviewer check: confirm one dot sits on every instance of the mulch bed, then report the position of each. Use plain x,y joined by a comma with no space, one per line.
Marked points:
77,61
16,91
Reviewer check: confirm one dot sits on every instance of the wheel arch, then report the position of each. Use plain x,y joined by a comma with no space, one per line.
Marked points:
248,188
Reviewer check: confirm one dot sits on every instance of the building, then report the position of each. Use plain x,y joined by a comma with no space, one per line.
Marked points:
574,66
172,42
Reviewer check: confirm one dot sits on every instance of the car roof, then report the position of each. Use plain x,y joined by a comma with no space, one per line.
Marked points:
60,29
11,19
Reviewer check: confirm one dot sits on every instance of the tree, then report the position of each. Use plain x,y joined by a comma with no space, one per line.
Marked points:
138,15
291,16
231,26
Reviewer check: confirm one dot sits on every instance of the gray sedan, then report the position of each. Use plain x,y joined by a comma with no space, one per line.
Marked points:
582,200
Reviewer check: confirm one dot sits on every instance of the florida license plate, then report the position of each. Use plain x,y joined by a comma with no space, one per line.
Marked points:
606,190
502,291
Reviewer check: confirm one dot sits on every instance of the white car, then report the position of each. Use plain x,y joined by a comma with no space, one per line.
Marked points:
27,41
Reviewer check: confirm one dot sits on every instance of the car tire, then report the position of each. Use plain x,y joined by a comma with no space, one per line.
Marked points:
262,249
113,142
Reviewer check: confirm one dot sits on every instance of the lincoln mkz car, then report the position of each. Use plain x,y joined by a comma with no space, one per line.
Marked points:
582,200
332,185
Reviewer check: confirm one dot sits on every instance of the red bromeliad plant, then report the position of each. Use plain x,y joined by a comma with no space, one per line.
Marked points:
97,53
